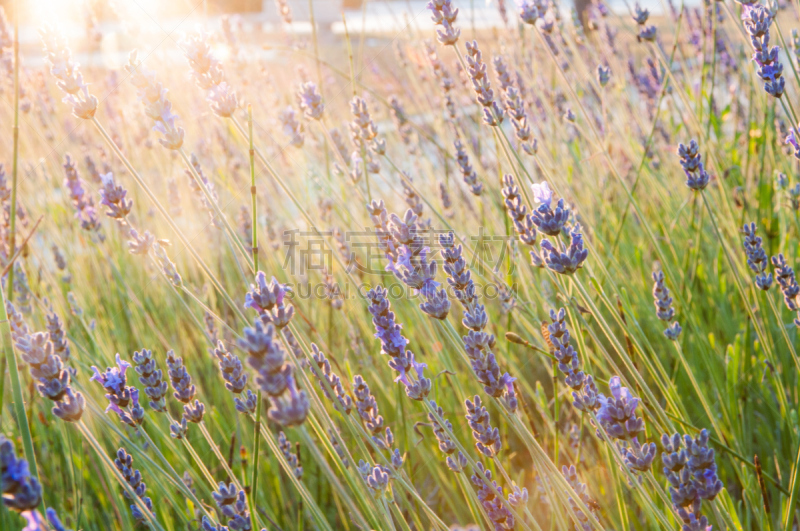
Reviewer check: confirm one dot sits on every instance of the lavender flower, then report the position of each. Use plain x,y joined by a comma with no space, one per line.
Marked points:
113,197
487,438
55,328
691,470
571,475
83,204
470,178
20,491
756,257
291,457
156,105
247,404
150,377
268,300
181,382
124,463
267,357
617,413
757,20
441,429
444,14
786,281
518,212
410,372
208,74
476,69
367,409
47,368
664,309
323,372
291,408
696,176
640,16
291,127
233,506
495,509
70,79
310,101
549,221
566,260
231,368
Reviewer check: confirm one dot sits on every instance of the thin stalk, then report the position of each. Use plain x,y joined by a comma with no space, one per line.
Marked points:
256,443
16,388
254,227
15,156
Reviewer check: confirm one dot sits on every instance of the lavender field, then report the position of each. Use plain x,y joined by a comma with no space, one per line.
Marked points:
452,266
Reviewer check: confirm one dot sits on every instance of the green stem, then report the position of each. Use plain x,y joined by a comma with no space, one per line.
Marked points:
256,443
16,388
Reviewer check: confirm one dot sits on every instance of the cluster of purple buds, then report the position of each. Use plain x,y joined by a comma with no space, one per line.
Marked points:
402,123
640,16
47,368
784,274
55,329
19,328
310,101
696,176
477,343
563,259
84,206
410,372
571,475
338,446
368,411
691,470
756,257
476,69
140,244
467,172
208,74
442,428
70,79
269,301
412,265
603,75
231,368
156,105
549,221
757,19
232,504
444,14
323,371
532,10
124,463
518,212
363,130
376,477
123,400
113,197
568,362
289,405
197,188
440,71
664,309
617,417
167,265
20,491
185,390
487,438
497,511
291,127
292,457
150,376
515,106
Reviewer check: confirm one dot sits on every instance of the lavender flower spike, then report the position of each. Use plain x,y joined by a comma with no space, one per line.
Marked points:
569,259
756,257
